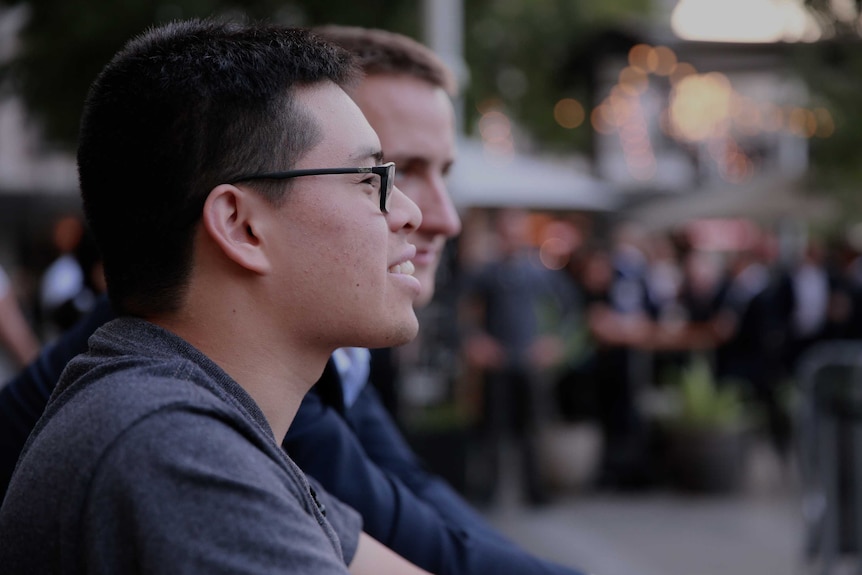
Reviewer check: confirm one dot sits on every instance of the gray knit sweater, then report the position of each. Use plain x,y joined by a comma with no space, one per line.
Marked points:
151,459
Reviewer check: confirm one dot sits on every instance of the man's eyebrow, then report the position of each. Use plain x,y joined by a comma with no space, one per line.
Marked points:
418,159
373,153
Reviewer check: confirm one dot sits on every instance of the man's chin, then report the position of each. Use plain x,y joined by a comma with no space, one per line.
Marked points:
423,300
426,278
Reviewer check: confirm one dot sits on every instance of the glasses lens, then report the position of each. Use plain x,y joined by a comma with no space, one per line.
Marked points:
386,179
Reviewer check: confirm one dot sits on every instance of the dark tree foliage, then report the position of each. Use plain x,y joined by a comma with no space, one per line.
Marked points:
520,56
514,49
64,43
833,22
832,70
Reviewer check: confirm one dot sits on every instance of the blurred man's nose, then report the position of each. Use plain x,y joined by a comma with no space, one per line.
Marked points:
439,216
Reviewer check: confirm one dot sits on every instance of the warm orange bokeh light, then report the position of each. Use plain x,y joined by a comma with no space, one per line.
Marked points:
700,106
633,79
639,56
825,123
494,126
599,119
773,117
802,122
682,70
662,61
569,113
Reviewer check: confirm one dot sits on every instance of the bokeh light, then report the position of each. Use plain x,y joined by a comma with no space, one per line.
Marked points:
569,113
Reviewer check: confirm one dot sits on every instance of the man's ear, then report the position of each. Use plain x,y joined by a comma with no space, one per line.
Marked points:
231,218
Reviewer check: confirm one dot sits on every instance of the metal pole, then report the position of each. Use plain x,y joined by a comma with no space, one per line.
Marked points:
443,28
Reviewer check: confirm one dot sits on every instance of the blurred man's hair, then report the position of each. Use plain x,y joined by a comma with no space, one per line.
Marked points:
383,52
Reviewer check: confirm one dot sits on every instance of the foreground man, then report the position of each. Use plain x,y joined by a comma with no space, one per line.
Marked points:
227,177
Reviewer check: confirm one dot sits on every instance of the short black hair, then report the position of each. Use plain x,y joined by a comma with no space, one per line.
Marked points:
180,109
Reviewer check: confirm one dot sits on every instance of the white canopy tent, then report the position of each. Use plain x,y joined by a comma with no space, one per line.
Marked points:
484,179
769,200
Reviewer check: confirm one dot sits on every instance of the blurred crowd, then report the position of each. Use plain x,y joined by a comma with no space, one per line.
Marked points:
563,319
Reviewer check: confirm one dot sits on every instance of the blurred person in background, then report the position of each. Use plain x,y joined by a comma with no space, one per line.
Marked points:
702,284
342,434
664,283
579,388
17,336
751,325
821,298
501,312
663,276
848,259
71,283
63,279
622,327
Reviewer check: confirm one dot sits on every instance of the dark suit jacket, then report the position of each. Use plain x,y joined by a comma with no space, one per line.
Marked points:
360,456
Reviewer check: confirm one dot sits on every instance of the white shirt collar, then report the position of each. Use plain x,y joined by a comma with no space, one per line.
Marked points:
353,365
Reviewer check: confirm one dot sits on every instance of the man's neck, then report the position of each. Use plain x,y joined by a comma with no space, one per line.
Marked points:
275,375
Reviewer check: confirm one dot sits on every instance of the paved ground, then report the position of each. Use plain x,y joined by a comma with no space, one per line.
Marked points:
663,534
758,531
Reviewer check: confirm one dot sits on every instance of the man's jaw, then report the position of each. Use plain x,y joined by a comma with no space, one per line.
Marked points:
426,276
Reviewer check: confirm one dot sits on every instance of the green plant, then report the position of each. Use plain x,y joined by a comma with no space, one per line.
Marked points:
698,401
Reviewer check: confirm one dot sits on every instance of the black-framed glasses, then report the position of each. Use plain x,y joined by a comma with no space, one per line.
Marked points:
386,172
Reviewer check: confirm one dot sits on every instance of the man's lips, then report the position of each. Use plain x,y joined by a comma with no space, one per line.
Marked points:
425,257
404,265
